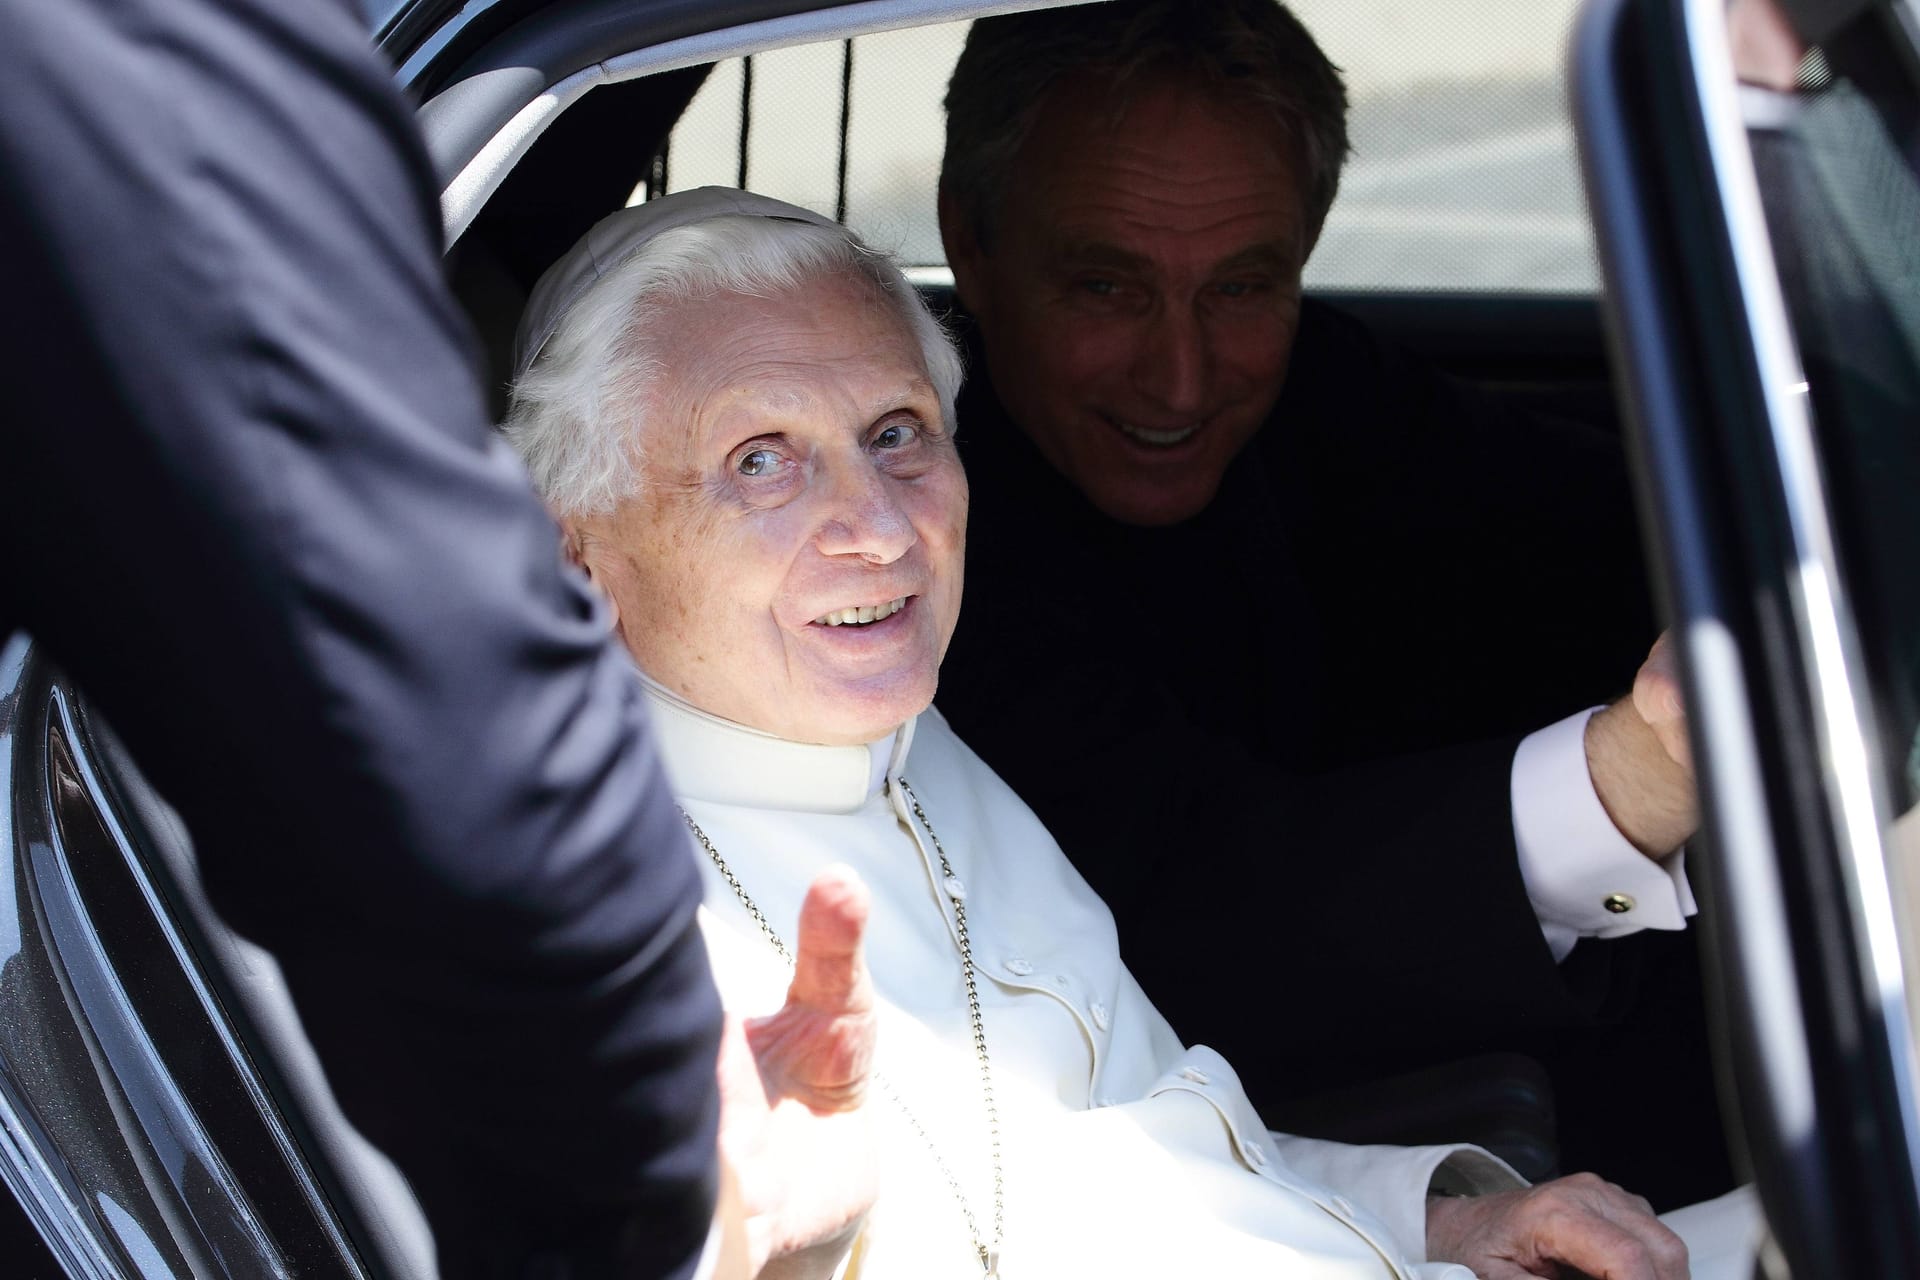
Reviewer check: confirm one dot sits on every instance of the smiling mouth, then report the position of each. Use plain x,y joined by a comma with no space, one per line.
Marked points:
863,614
1158,439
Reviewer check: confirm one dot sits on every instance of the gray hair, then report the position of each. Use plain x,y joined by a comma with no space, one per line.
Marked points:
1254,50
577,414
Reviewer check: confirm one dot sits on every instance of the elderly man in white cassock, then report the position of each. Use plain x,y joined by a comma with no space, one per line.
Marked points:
742,418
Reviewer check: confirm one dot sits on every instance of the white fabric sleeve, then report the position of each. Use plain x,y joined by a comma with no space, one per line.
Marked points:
1582,876
1392,1183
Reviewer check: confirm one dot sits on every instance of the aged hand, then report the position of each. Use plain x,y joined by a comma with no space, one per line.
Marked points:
792,1126
1580,1225
1640,761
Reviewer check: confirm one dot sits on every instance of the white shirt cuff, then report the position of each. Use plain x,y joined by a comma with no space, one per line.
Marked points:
1582,876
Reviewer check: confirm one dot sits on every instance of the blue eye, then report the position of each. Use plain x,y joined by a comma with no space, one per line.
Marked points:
897,435
1099,288
757,462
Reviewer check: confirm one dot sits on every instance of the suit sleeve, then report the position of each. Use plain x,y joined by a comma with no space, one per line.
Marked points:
249,497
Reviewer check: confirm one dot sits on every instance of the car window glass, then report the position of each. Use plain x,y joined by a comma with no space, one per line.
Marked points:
895,127
1463,176
1836,159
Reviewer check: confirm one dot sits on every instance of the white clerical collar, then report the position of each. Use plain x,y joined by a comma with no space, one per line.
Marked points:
711,759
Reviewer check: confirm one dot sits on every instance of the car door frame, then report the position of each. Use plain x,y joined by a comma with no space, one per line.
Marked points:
1808,990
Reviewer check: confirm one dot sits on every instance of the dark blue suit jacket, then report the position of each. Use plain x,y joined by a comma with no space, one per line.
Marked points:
250,499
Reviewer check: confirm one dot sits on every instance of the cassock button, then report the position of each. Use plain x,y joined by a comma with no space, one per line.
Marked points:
1195,1075
1617,903
1344,1205
1100,1017
1019,967
1256,1155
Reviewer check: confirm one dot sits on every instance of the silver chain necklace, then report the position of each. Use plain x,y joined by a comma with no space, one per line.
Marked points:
956,894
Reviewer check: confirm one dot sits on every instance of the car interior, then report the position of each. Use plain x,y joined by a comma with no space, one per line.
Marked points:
625,138
205,1142
614,144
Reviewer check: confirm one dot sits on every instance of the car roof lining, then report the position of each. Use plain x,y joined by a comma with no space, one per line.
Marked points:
481,125
570,179
565,35
582,167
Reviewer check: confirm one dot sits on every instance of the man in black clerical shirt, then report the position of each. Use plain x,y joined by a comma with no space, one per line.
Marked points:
1293,642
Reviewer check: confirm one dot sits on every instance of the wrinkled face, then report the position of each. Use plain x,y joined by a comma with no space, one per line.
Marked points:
793,560
1142,289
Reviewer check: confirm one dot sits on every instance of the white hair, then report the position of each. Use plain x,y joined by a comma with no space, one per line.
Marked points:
578,413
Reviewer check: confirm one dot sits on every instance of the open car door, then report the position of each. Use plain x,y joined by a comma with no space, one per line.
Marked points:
1759,215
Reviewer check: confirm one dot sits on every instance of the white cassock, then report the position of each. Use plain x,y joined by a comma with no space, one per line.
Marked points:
1124,1153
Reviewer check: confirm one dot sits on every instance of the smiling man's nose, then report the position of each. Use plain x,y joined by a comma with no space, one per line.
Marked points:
1172,365
867,519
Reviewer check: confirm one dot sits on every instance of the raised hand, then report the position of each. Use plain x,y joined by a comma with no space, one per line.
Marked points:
793,1129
